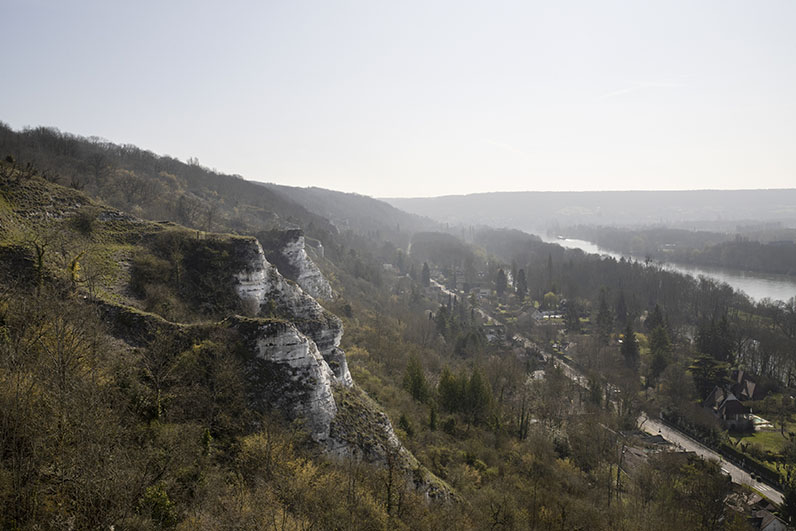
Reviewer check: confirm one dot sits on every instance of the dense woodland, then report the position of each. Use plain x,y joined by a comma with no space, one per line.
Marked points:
95,433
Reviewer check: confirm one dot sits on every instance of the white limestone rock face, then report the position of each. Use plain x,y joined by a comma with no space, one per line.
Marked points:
285,370
298,368
262,288
309,277
286,249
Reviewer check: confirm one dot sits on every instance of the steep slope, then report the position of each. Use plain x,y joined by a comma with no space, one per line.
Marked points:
286,249
288,346
263,289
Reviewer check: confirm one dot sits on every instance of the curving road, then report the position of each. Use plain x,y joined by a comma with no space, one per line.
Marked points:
685,442
652,426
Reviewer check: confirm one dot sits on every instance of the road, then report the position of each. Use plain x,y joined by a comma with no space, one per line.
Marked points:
649,425
679,439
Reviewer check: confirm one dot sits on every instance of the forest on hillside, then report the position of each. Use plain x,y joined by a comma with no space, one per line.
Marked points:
95,433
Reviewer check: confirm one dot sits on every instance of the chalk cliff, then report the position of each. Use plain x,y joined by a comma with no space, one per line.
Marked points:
286,249
285,370
266,292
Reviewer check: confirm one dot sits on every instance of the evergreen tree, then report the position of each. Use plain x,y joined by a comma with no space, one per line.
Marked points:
572,318
715,339
451,390
425,275
522,285
629,349
659,341
501,283
654,319
605,321
660,347
724,341
708,373
415,380
468,344
477,398
658,365
514,271
443,321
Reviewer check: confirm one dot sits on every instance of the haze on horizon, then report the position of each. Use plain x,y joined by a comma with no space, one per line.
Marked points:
422,99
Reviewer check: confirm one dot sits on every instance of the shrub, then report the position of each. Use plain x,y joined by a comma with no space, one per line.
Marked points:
84,219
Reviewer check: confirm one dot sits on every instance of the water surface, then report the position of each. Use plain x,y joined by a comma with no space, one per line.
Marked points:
757,285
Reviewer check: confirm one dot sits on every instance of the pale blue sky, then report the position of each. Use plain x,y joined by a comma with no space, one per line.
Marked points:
422,98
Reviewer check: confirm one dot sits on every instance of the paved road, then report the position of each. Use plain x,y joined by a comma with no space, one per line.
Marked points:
685,442
653,426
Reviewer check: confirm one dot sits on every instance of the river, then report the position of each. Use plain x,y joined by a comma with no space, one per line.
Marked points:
757,285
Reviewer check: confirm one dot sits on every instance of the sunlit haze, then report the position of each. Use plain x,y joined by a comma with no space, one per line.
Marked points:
397,99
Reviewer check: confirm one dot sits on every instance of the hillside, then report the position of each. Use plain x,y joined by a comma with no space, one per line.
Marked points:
155,375
162,341
540,211
160,187
153,186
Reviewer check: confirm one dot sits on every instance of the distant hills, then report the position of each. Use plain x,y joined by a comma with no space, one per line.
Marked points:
537,211
360,213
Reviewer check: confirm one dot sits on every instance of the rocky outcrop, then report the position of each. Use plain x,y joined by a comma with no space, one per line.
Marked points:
286,250
285,370
267,293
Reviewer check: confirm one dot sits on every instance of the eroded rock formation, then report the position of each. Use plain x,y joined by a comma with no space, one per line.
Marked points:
267,292
286,250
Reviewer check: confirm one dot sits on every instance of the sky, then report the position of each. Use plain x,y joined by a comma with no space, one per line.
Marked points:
421,98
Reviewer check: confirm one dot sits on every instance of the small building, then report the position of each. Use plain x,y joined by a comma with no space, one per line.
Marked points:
766,521
535,314
729,410
744,387
495,332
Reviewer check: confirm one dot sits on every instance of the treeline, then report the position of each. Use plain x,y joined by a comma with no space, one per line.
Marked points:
762,333
153,186
769,251
776,257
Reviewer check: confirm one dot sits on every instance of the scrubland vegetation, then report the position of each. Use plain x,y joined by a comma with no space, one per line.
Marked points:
158,434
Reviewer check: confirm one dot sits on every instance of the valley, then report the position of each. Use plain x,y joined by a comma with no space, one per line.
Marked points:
434,374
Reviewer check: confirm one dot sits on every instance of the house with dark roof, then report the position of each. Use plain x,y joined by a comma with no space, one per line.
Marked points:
744,387
729,410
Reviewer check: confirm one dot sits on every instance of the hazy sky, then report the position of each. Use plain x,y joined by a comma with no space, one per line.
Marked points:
402,98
